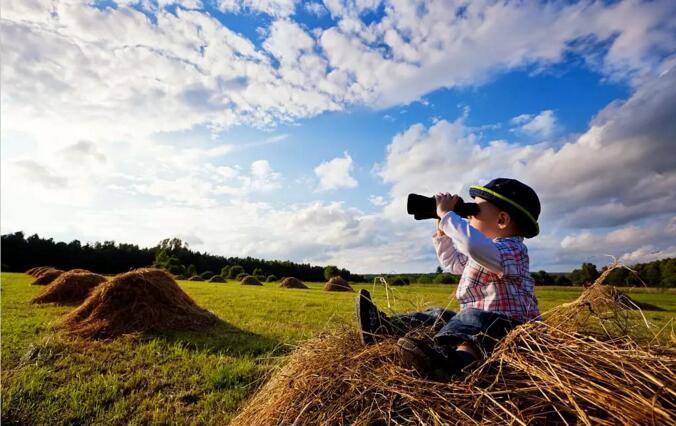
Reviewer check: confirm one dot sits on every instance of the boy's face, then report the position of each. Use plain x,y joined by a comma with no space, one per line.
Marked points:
491,221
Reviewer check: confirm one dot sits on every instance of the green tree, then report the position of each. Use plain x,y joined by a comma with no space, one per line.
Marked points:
206,275
562,280
444,279
424,279
190,271
257,272
652,274
586,274
225,271
330,272
270,278
235,270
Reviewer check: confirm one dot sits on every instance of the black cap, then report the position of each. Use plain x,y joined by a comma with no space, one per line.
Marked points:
514,197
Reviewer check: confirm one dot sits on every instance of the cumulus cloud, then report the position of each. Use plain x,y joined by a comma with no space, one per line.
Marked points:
81,118
72,59
621,172
377,200
277,8
335,174
541,125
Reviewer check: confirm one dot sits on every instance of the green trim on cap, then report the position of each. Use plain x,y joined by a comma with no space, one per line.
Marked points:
503,198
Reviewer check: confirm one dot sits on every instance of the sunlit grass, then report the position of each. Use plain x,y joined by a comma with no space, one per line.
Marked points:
201,377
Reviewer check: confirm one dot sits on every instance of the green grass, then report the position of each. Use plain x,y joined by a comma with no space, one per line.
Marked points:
188,377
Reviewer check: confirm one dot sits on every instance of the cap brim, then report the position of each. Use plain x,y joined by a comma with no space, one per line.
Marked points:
529,228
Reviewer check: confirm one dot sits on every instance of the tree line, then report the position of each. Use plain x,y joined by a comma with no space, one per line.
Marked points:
20,253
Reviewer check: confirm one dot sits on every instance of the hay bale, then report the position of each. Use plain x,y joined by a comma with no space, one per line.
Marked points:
36,271
292,282
540,373
69,287
80,271
180,277
217,279
250,280
47,276
195,278
140,301
337,284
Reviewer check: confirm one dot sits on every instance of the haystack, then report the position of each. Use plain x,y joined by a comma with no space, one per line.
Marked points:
180,277
80,271
69,287
34,272
250,280
585,364
195,278
337,284
140,301
291,282
47,276
217,279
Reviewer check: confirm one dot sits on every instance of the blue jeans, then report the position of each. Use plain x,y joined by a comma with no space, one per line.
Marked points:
483,328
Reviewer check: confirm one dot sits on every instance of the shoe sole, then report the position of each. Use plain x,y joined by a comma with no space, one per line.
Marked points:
413,356
366,335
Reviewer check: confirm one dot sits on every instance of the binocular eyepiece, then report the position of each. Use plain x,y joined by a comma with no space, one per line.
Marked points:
422,207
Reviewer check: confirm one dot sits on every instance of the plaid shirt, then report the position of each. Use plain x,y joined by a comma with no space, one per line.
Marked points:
510,294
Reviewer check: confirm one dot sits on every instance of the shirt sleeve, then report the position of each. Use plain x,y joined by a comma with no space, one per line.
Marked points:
472,243
511,256
450,259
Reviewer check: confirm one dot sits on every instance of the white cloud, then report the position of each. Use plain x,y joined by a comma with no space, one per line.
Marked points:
81,119
612,180
278,8
315,8
335,174
377,200
542,125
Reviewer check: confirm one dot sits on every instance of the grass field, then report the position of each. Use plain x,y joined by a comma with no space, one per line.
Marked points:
189,377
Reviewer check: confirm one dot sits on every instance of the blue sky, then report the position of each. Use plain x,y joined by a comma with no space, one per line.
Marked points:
295,130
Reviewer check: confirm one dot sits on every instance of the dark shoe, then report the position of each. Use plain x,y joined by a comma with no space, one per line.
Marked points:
373,324
429,361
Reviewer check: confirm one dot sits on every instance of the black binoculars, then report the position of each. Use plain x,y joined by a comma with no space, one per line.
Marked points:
422,207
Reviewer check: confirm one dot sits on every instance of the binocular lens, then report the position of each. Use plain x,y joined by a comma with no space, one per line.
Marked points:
422,207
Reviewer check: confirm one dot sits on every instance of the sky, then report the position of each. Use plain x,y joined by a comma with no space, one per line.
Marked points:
295,130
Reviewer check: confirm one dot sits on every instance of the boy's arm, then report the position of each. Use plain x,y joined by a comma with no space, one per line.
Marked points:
451,260
471,242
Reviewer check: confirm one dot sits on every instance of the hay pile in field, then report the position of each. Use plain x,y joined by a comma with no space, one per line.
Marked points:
140,301
582,365
195,278
34,272
46,276
69,287
291,282
217,279
250,280
337,284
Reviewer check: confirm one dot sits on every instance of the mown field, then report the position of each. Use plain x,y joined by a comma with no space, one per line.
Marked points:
190,377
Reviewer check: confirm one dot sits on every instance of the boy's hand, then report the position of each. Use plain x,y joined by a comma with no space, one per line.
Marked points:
445,203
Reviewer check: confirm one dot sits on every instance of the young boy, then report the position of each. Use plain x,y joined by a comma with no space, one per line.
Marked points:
495,292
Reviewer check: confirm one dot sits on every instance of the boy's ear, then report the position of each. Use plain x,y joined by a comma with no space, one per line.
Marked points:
504,220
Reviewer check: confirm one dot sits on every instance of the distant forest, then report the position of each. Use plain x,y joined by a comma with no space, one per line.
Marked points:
20,253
